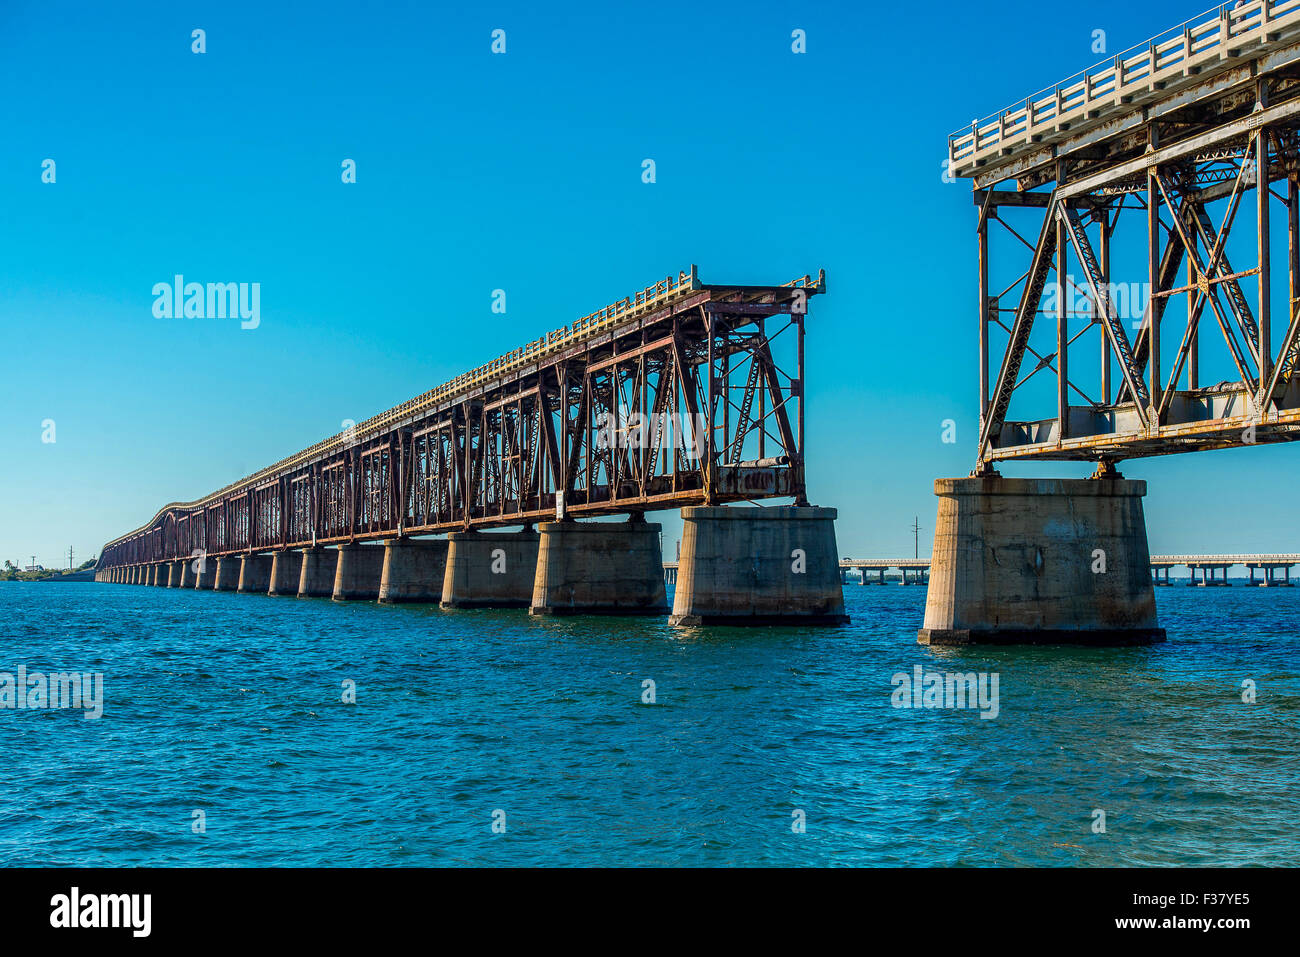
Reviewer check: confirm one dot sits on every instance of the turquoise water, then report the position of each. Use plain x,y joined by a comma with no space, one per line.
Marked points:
232,705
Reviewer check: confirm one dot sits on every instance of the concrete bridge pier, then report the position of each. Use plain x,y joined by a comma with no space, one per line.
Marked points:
319,566
744,565
255,574
413,570
490,569
286,572
357,575
227,576
205,573
1270,571
160,570
185,579
1040,561
174,574
1208,578
599,568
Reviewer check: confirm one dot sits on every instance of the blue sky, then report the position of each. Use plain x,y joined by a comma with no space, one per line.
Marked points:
521,172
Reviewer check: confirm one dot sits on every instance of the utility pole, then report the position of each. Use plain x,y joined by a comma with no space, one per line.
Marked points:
916,536
69,558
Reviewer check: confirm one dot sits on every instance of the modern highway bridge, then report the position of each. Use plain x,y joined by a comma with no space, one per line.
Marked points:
684,395
1274,568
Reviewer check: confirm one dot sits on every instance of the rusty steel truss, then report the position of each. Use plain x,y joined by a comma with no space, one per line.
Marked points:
684,394
1136,174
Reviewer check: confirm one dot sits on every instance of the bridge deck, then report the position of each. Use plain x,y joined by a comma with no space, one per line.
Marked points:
1109,98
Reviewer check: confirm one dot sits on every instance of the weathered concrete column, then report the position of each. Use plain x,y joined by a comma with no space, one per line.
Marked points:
599,568
255,574
317,577
185,579
205,573
160,574
490,569
227,577
286,572
357,575
1040,561
174,574
413,570
744,565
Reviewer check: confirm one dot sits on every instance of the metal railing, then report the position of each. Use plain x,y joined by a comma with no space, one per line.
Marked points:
1216,34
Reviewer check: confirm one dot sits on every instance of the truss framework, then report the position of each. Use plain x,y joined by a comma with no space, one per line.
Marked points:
697,401
1190,175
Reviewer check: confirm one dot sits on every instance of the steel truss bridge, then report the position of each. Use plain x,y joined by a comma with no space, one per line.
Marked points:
1177,141
685,393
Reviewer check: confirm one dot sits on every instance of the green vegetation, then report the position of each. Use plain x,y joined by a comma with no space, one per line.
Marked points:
12,573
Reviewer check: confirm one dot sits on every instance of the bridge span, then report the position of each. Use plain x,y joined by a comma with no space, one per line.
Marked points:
684,395
1213,569
1136,280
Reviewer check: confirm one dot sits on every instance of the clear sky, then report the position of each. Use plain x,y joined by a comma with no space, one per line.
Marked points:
519,172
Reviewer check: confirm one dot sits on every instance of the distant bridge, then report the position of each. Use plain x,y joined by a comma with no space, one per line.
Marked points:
1213,568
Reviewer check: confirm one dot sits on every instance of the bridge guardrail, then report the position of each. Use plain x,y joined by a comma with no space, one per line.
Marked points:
1222,30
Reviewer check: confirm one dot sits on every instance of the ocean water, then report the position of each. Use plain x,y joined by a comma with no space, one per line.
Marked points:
232,705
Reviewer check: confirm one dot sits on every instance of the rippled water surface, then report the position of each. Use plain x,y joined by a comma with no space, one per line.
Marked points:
232,704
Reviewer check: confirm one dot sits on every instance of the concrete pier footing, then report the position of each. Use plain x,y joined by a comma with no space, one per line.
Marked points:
413,570
158,572
744,565
255,574
186,578
356,577
227,577
286,572
319,565
599,568
174,574
1040,561
490,569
